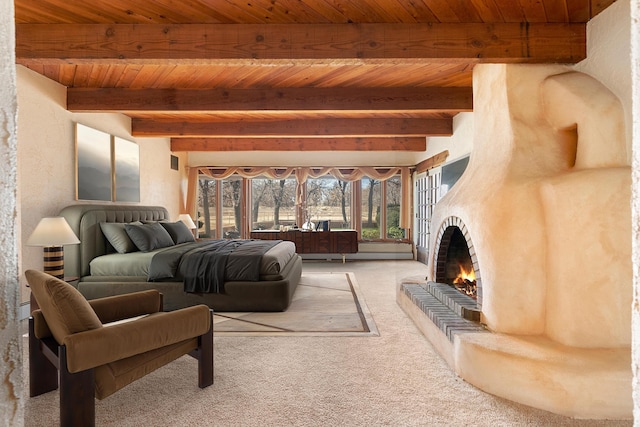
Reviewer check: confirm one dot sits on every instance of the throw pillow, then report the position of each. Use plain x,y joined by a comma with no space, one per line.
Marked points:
63,306
118,237
178,231
148,237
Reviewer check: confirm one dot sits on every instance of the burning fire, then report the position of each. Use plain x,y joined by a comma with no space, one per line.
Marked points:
465,282
465,275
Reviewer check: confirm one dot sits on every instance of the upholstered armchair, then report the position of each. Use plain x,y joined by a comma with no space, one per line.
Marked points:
76,344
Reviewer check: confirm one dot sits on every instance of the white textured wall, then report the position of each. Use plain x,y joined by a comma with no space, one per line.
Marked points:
46,158
635,78
608,60
458,145
11,404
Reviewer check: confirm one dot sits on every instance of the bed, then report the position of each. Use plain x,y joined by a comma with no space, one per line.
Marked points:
102,271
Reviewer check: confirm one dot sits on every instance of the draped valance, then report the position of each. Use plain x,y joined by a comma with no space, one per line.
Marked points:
301,175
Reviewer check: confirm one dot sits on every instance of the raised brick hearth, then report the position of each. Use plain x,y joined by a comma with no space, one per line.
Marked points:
451,311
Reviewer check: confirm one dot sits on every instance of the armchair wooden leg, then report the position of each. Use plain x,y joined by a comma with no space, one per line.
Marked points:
77,395
205,358
43,374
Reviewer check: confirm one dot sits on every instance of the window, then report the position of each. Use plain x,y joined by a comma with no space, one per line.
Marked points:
393,196
370,208
207,208
232,207
273,203
422,220
375,195
428,192
328,198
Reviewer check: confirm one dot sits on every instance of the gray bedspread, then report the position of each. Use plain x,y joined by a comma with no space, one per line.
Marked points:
204,266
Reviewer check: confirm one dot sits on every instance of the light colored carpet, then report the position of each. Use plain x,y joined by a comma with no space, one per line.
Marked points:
395,379
324,304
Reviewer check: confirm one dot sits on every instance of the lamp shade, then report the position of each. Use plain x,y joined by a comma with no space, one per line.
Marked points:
54,231
186,218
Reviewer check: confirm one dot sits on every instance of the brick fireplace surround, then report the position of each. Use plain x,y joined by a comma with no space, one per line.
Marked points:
546,201
443,240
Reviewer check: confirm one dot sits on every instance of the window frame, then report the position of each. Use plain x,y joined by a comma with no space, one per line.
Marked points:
355,208
428,192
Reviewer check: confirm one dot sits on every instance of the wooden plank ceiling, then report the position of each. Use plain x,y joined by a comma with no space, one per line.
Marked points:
289,75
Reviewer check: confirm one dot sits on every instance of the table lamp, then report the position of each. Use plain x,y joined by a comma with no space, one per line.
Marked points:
186,218
52,233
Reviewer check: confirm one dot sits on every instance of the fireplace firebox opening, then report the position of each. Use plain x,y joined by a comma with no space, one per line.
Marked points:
455,264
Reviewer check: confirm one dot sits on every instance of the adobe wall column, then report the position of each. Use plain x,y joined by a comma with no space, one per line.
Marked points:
587,217
11,404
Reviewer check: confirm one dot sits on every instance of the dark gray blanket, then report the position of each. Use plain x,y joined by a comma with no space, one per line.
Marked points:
204,266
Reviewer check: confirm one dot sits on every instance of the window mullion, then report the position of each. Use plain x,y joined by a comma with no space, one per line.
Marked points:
246,208
219,209
356,207
383,209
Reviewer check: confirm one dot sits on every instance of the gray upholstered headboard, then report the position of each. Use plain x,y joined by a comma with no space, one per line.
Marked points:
85,222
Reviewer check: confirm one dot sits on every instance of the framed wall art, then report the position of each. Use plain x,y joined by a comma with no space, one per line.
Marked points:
126,155
107,166
93,164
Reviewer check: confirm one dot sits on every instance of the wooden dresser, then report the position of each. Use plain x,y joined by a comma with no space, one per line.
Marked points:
314,242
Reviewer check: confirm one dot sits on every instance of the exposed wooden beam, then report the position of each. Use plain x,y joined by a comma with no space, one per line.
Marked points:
203,43
298,144
441,99
432,162
314,128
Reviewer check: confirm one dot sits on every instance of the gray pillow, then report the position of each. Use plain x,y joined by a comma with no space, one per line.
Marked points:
178,231
148,237
118,237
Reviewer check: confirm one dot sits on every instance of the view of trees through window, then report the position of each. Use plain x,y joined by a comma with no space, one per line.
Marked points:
214,216
207,212
393,189
370,208
232,207
273,204
374,195
329,199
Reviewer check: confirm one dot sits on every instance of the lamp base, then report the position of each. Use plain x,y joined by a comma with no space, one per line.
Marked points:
54,261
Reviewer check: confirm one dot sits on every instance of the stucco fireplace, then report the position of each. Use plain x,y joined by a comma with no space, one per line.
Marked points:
543,209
